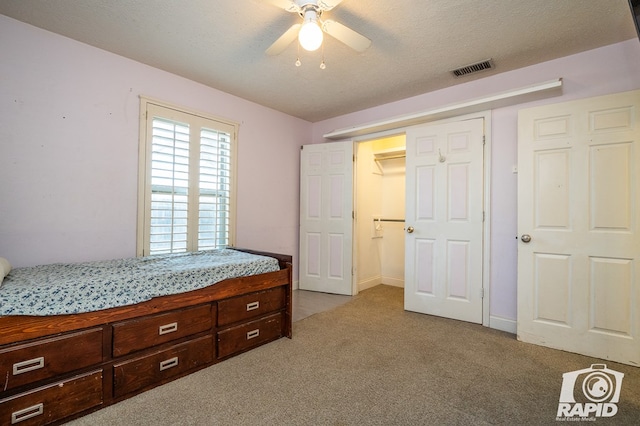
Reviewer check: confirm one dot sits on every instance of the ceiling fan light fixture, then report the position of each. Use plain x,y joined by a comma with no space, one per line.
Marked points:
310,35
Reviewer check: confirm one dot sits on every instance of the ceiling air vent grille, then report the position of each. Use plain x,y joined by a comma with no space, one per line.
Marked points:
473,68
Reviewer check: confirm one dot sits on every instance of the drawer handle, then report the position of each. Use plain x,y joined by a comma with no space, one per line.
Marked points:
167,328
171,362
27,413
28,365
252,306
253,333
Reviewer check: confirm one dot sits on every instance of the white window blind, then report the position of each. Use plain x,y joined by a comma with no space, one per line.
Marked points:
188,185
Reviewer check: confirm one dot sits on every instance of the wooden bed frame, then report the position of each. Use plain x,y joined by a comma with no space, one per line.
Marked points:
56,368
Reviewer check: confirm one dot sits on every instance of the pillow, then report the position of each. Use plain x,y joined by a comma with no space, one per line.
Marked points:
5,267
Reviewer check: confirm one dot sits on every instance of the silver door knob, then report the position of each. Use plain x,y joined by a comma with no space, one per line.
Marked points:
410,230
525,238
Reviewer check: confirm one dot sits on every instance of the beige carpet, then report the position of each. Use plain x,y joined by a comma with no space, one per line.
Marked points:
369,362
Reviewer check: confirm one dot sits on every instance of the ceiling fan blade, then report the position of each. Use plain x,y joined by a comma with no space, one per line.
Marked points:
354,40
287,5
285,40
328,4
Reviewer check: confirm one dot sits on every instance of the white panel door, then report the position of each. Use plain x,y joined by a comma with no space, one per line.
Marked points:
326,217
444,220
578,219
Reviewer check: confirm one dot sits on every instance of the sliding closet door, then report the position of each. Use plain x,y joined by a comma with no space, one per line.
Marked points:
326,217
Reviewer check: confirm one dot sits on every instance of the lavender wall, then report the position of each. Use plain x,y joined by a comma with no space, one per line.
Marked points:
610,69
69,151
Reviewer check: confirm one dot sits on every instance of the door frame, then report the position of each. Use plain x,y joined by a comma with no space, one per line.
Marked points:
487,321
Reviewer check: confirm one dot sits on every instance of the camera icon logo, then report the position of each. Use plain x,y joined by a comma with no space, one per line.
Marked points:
592,391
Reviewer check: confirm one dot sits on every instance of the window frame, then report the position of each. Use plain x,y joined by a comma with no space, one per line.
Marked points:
198,120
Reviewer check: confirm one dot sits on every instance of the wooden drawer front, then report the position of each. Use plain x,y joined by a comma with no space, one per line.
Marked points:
250,306
53,402
142,333
245,336
49,357
139,373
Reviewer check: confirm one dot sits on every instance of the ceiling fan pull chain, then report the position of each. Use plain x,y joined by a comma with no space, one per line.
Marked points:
322,64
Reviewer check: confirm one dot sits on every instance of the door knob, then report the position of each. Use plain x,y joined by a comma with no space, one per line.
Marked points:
525,238
410,230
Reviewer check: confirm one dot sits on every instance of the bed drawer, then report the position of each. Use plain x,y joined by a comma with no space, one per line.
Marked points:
56,401
250,306
49,357
142,333
236,339
153,369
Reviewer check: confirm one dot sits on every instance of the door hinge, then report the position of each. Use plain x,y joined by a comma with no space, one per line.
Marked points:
484,139
482,293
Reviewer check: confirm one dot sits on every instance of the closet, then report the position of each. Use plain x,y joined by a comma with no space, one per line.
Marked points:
380,212
353,219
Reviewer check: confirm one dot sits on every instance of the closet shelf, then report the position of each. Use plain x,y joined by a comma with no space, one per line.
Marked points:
389,154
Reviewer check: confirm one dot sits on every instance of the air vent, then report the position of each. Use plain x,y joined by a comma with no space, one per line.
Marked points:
473,68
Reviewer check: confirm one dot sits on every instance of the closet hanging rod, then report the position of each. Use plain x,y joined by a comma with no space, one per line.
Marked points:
387,220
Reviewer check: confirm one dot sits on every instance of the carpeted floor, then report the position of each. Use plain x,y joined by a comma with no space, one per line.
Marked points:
368,362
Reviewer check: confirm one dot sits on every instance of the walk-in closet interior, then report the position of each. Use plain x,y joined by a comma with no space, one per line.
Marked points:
380,205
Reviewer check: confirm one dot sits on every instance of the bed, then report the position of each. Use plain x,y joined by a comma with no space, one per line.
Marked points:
97,344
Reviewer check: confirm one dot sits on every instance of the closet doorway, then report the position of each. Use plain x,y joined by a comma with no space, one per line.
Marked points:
380,212
420,217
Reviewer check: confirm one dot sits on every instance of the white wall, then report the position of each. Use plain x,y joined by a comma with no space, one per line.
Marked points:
379,194
393,195
69,151
610,69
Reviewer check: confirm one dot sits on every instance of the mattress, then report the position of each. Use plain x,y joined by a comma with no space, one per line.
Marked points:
70,288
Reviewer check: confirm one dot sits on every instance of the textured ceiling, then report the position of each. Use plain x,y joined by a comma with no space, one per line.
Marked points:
415,43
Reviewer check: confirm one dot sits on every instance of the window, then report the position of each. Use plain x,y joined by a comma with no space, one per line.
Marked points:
187,185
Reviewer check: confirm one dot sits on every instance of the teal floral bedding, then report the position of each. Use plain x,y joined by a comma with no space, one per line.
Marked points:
63,288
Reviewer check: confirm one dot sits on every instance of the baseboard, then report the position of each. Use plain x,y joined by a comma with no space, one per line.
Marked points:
503,324
368,283
395,282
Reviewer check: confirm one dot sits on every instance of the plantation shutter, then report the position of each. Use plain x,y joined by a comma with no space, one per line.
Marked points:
215,189
169,186
189,182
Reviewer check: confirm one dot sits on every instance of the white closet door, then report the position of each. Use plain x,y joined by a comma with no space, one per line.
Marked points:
326,217
579,226
444,220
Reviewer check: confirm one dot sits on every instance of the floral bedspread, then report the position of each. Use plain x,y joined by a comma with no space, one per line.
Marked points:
62,288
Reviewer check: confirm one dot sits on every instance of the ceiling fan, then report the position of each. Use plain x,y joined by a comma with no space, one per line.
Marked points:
309,31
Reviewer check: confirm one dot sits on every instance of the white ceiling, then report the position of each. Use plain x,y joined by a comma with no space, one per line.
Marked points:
415,43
